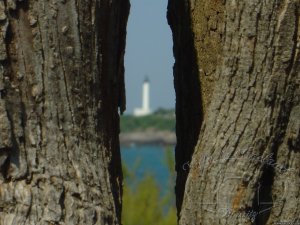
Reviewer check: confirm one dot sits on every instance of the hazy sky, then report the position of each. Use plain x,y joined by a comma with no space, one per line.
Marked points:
149,53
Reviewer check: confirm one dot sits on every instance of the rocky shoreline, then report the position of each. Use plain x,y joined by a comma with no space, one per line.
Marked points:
148,137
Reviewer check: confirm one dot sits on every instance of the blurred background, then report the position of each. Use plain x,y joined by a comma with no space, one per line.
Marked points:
148,125
149,53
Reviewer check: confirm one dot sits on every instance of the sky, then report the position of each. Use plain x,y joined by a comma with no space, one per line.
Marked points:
149,53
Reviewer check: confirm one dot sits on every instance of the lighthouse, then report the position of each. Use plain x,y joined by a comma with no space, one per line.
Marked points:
145,109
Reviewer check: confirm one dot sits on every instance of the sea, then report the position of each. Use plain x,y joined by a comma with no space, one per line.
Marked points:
143,160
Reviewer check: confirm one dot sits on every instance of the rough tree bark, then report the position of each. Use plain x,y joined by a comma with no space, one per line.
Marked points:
61,83
245,167
187,86
196,39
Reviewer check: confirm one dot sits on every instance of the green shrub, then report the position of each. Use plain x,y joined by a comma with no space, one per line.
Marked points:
142,204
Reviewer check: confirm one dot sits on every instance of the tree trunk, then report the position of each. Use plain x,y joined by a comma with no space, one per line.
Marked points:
245,167
189,114
61,83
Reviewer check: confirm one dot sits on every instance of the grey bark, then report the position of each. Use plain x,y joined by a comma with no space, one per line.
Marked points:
245,168
61,83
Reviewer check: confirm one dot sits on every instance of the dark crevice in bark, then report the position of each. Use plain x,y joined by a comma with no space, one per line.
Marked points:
23,118
189,112
3,93
108,220
95,218
263,202
62,203
14,153
294,143
20,5
4,166
9,36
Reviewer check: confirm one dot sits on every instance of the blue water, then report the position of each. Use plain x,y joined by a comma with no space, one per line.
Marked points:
148,159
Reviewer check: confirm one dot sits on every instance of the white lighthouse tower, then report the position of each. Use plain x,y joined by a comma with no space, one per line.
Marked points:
145,110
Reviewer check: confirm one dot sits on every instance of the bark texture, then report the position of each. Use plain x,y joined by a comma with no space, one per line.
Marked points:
189,112
61,83
246,165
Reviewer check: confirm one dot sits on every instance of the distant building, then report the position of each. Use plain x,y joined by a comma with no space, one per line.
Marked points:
145,109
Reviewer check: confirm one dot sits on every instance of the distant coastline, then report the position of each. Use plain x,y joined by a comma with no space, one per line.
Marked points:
151,137
157,128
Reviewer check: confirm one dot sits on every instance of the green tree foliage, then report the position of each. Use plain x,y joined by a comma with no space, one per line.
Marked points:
143,204
163,120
